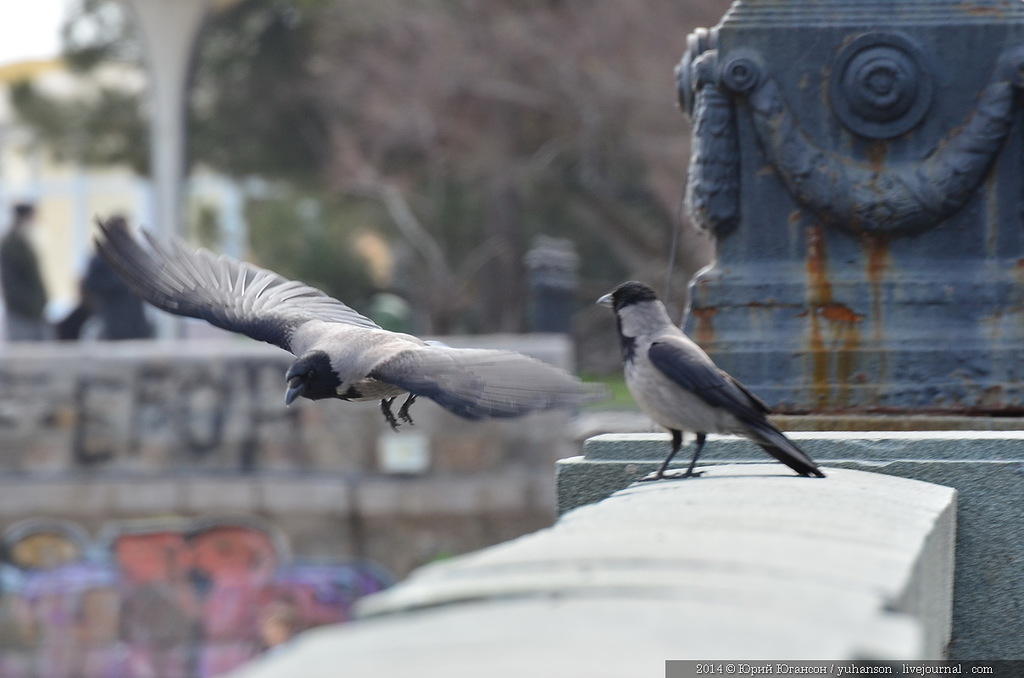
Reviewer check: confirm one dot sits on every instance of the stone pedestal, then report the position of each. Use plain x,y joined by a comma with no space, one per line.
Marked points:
861,168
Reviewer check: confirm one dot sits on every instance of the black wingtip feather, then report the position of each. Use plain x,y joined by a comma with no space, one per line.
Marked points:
775,443
477,384
196,283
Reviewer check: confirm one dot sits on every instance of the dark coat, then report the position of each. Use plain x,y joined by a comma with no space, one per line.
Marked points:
23,289
118,308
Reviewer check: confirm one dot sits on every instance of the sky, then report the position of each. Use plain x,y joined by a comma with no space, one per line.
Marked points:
30,29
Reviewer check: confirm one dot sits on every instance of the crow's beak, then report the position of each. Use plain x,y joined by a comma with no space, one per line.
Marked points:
296,385
606,300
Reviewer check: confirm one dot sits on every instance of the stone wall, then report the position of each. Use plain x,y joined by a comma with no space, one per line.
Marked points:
95,432
152,481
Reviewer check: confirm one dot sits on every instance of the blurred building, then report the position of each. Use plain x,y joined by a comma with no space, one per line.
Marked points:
70,195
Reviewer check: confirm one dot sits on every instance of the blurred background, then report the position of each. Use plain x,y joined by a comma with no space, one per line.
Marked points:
450,168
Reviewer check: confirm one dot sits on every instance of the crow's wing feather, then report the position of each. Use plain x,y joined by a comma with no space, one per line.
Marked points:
754,400
228,293
478,383
718,389
700,377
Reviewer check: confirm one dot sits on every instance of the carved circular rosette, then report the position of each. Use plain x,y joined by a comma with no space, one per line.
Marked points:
880,87
740,74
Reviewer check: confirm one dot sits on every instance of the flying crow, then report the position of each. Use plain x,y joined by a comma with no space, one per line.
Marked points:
677,384
340,353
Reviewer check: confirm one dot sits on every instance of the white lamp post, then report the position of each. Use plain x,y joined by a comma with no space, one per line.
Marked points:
169,29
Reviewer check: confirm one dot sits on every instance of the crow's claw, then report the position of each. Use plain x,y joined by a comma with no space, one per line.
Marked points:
389,416
669,475
403,411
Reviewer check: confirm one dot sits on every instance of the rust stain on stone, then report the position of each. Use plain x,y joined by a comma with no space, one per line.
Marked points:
839,313
878,257
820,291
979,10
817,270
843,327
704,333
876,154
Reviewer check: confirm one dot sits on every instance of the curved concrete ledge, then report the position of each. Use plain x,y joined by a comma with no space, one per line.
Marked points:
749,562
985,467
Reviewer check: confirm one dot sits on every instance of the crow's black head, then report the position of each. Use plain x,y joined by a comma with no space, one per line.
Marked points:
311,376
627,294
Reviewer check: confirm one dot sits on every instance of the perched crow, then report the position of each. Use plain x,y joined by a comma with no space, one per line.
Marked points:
341,354
677,384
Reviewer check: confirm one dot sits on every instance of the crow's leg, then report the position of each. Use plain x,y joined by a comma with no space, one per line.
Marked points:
385,407
403,411
701,437
677,442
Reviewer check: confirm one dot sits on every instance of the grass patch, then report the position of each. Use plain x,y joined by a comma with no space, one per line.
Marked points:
619,395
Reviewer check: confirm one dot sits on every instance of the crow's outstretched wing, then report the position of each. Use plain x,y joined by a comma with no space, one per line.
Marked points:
693,372
478,383
228,293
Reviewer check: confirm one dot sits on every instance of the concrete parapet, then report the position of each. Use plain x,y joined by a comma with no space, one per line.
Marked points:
100,432
985,467
154,407
747,563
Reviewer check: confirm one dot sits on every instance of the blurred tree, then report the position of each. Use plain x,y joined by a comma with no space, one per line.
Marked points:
480,124
101,130
254,101
252,111
252,105
316,245
472,125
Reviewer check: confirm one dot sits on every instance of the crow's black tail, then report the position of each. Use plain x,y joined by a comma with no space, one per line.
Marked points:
784,449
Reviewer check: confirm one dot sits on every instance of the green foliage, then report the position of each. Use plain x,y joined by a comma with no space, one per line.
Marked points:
491,121
299,237
206,228
97,32
254,107
105,129
619,396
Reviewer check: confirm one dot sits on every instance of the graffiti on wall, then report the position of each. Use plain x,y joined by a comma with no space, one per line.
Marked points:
160,599
227,413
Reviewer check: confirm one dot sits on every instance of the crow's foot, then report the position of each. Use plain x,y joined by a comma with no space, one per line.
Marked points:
389,416
670,475
403,411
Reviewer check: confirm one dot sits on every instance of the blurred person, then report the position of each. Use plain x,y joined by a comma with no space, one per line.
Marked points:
119,310
107,309
70,326
23,288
